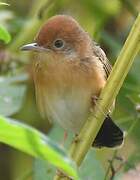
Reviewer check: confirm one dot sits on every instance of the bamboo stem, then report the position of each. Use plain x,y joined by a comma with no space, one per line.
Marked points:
121,68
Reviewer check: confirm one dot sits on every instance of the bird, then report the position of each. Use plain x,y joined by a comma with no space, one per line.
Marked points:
69,70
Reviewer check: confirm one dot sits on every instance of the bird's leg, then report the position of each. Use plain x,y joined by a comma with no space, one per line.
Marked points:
64,138
94,102
95,98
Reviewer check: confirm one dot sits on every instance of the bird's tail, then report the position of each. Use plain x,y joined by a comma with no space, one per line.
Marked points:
109,135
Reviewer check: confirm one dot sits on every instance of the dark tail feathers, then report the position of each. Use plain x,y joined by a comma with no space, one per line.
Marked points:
109,135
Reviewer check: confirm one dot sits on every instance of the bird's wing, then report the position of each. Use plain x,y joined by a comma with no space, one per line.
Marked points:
109,135
97,51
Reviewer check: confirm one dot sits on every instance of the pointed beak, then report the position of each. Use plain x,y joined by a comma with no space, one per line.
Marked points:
33,47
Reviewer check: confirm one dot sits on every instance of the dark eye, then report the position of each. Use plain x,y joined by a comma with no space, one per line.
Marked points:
59,43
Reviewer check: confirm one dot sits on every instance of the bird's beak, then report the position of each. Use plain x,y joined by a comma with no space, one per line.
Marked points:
33,47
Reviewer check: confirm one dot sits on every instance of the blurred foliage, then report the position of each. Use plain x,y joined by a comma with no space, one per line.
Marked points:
108,23
4,35
31,141
11,95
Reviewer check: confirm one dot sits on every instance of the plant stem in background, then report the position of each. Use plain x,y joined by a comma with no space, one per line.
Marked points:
83,142
131,128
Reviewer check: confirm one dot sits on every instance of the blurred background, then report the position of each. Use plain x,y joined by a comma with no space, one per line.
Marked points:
108,22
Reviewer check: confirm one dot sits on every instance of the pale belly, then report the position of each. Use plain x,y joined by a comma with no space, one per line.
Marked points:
70,109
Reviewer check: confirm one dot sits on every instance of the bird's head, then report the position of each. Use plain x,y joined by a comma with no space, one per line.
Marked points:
63,36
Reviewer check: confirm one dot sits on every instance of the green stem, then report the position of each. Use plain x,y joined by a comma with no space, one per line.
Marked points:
121,68
109,166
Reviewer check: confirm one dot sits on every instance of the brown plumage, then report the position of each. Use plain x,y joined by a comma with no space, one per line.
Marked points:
68,70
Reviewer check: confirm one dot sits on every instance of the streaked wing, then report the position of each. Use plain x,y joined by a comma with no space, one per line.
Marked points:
102,57
98,52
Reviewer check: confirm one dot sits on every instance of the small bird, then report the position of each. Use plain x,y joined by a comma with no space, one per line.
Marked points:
69,70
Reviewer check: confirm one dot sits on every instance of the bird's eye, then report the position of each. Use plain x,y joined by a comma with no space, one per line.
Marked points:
59,43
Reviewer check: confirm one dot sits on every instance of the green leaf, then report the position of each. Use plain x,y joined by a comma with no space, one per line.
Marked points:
11,99
43,170
31,141
11,94
4,35
92,168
